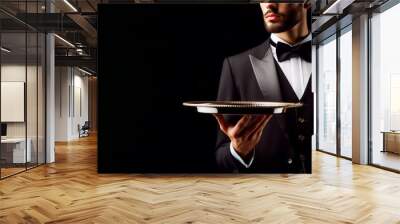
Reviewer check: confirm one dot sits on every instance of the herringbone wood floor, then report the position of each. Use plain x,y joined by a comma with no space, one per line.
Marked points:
70,191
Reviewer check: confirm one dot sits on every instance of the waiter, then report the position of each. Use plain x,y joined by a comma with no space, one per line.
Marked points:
277,70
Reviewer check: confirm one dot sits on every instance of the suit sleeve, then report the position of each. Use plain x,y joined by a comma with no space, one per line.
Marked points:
227,91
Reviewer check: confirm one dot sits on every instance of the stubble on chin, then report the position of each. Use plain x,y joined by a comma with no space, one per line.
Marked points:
273,28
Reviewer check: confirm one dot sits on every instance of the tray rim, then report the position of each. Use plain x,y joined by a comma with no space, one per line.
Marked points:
242,104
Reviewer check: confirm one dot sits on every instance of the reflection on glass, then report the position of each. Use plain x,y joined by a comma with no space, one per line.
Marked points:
32,82
385,84
346,94
327,96
14,151
22,89
31,101
41,98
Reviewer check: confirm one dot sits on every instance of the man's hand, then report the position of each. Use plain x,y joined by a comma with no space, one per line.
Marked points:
246,134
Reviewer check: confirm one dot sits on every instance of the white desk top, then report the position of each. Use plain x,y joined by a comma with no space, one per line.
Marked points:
13,140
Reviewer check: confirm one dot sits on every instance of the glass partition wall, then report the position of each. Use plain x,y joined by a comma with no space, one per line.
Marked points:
13,89
326,95
334,94
385,89
22,77
345,91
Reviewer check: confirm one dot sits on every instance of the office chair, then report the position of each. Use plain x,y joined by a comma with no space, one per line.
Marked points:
84,130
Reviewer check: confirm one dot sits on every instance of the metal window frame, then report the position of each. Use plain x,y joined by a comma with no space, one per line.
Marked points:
339,32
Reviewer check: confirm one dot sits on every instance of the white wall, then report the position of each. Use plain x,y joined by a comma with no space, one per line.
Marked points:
71,94
62,80
15,72
80,97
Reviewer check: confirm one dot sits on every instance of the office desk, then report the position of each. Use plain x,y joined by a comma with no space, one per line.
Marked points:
13,150
391,141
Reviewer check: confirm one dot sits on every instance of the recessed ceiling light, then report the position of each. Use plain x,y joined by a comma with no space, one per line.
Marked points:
84,71
337,7
5,50
70,5
65,41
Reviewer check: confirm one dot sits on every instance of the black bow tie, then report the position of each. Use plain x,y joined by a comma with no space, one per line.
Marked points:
285,52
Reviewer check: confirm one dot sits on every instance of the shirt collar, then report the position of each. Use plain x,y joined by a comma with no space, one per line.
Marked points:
276,39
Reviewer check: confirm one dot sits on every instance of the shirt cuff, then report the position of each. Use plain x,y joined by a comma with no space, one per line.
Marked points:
238,158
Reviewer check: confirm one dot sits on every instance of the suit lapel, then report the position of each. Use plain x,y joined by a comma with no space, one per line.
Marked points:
264,69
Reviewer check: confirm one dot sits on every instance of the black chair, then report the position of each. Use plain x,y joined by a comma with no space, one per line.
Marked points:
84,130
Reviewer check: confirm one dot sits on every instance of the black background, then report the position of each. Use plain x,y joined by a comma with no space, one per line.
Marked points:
151,59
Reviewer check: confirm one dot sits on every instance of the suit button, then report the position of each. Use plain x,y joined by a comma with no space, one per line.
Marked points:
301,137
301,120
289,161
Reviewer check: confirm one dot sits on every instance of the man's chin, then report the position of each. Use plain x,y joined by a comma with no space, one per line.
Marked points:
275,28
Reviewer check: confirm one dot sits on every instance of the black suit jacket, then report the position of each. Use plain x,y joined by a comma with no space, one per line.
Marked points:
252,76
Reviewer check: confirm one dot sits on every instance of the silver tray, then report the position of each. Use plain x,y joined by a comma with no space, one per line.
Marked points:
241,107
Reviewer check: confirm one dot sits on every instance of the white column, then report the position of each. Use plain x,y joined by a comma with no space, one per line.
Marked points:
50,99
360,90
50,92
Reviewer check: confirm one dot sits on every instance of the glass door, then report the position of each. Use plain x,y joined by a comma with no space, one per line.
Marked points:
14,153
326,95
345,93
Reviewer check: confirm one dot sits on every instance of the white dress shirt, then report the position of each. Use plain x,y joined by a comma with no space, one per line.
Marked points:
296,69
297,72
